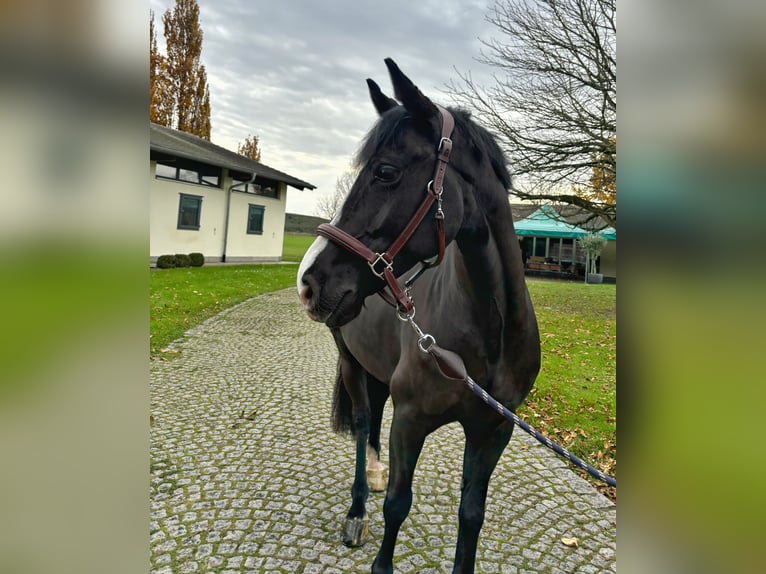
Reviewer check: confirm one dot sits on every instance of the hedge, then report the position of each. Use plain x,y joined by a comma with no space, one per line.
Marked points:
180,260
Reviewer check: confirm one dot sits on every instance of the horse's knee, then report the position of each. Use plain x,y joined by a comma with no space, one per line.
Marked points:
472,516
472,506
396,507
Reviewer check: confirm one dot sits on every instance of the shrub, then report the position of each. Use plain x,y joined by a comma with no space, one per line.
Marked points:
183,260
197,259
166,262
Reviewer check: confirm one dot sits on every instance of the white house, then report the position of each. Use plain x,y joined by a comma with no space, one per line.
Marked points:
207,199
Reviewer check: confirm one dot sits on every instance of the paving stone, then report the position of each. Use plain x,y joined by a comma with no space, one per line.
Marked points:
246,475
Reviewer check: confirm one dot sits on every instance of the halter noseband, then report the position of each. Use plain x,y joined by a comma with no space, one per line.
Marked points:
382,264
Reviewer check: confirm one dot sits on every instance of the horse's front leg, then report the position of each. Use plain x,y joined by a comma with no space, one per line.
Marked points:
355,528
479,461
405,444
355,384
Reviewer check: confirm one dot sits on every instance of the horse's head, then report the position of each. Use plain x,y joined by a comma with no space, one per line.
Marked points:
396,163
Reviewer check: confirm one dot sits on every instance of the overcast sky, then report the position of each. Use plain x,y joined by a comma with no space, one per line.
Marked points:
293,72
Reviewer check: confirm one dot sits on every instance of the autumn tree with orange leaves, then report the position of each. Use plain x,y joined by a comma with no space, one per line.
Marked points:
179,93
603,179
160,102
249,148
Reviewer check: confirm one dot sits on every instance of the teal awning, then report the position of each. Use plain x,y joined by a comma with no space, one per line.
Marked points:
545,222
609,233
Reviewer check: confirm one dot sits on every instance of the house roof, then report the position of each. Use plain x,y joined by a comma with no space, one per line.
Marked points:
166,140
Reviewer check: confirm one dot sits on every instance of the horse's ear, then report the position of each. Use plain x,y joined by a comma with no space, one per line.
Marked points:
380,100
409,94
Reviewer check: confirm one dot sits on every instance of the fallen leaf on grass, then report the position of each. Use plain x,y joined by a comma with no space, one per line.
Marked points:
572,542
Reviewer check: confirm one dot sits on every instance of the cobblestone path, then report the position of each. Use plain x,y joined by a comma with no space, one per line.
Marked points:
246,475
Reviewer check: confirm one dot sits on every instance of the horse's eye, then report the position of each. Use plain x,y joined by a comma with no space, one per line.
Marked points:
386,172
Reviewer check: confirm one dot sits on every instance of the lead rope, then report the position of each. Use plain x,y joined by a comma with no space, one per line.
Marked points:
451,366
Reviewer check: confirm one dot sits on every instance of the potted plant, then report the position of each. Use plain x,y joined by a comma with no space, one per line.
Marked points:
592,245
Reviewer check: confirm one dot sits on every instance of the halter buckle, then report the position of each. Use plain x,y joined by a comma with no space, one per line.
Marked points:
445,145
380,274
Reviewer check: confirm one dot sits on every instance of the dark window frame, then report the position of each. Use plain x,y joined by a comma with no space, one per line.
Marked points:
262,186
183,168
187,226
250,208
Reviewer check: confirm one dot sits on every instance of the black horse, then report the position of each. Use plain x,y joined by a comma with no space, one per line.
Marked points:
475,303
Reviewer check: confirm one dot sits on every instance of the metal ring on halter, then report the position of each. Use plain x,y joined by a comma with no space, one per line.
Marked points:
405,317
426,339
430,189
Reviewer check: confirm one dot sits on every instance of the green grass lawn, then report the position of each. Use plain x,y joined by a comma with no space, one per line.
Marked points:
295,245
575,396
573,400
181,298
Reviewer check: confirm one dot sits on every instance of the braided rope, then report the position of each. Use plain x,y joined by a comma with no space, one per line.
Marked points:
426,342
489,400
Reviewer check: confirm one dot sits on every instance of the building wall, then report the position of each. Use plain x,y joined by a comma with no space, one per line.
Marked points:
242,246
166,238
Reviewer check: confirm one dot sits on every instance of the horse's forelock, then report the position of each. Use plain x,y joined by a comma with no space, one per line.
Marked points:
380,134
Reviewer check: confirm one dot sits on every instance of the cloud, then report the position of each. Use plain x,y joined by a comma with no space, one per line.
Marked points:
294,72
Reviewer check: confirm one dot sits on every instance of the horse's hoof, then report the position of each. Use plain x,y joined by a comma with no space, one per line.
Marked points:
376,479
355,532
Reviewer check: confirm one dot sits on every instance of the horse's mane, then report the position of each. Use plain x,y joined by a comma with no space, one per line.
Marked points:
483,144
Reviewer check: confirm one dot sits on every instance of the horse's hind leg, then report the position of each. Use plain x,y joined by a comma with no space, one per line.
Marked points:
479,461
378,394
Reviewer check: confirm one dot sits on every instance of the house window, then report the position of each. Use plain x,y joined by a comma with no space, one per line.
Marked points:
255,219
189,209
189,171
540,246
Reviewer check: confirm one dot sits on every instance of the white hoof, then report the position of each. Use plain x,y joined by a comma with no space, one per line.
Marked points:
376,478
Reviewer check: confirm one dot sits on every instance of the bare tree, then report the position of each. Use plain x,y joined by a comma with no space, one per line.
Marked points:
554,101
329,205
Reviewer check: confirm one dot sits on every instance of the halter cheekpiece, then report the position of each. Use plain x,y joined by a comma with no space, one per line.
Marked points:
382,264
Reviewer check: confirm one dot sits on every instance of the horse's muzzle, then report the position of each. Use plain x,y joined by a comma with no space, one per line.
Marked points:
334,311
307,293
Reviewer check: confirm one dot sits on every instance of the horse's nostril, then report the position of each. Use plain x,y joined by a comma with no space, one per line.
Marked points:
305,295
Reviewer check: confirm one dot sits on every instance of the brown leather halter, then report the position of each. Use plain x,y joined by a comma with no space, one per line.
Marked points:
382,264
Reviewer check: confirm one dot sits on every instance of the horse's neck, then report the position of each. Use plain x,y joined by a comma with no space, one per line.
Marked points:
492,260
